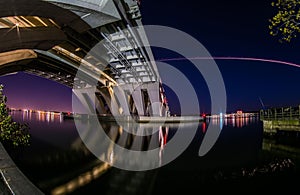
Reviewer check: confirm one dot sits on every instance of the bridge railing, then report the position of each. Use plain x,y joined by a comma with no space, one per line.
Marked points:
284,113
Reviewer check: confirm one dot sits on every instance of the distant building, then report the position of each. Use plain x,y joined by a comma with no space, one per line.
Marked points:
239,113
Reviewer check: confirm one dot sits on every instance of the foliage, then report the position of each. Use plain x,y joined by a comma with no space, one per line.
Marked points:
285,23
11,132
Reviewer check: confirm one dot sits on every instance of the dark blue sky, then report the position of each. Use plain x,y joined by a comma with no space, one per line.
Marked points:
234,28
226,28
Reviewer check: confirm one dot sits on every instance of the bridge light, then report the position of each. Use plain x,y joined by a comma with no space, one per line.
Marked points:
40,20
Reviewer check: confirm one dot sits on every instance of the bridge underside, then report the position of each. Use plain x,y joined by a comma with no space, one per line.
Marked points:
55,39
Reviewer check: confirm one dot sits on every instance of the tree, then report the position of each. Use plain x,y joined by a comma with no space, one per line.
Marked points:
286,23
11,132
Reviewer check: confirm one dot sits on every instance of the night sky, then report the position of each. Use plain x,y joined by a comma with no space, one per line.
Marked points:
226,28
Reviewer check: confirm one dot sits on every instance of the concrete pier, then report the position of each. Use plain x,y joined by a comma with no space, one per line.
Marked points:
171,119
140,119
283,119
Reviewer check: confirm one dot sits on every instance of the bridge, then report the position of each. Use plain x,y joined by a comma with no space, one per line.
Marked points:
55,38
59,40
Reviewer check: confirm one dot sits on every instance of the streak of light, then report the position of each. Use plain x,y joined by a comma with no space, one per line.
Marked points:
232,58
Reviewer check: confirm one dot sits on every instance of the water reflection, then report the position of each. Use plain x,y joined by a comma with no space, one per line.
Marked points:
42,116
234,121
81,180
204,127
59,162
117,145
276,146
131,136
134,146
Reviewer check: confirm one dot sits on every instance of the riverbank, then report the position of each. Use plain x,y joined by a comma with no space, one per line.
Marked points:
13,181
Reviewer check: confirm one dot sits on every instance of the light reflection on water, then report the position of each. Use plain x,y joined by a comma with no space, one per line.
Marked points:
47,129
56,146
65,151
43,116
235,121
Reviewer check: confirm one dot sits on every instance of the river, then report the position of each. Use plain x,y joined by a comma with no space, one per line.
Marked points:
241,160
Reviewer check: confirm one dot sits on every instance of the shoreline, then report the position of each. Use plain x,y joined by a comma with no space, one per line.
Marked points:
12,178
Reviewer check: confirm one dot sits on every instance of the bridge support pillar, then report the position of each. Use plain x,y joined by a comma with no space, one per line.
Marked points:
110,100
138,101
124,100
120,96
146,99
156,104
87,99
96,101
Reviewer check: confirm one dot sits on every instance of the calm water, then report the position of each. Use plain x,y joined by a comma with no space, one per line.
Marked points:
58,162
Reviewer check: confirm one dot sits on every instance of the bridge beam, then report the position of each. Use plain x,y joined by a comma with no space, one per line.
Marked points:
63,35
94,12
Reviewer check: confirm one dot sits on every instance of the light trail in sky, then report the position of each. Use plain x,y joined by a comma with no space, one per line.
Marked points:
232,58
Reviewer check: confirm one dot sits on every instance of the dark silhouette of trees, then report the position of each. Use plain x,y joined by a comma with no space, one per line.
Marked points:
11,132
286,23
